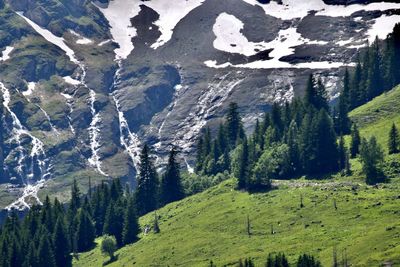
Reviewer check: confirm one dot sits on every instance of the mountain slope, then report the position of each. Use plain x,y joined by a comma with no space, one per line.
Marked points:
90,81
212,225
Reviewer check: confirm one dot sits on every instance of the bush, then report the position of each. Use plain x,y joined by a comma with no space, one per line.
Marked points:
109,246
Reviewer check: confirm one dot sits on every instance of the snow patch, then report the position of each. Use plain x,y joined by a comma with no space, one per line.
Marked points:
70,80
6,53
119,14
49,36
31,88
382,27
104,42
292,9
170,15
82,40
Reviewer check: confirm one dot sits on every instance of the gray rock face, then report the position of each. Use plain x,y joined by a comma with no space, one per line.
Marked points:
88,117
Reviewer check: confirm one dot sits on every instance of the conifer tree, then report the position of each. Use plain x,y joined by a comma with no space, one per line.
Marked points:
342,154
131,224
393,143
156,227
242,171
75,202
85,232
343,121
45,254
372,157
147,184
171,186
233,124
355,95
375,84
113,223
61,245
355,141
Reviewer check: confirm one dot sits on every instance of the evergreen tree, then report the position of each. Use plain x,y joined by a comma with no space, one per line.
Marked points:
61,245
113,223
307,261
374,82
242,171
233,124
315,94
131,225
342,154
147,184
85,232
45,255
355,89
75,202
171,187
355,141
343,121
393,143
156,227
372,157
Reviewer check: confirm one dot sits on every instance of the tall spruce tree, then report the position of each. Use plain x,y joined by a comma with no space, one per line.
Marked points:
171,186
372,157
355,141
113,222
45,254
146,196
131,225
61,245
343,121
233,125
85,232
393,142
243,168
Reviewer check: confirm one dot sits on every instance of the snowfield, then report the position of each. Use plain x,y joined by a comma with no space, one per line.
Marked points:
6,53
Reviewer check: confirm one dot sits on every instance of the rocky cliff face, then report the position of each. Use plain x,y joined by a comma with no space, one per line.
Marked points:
86,83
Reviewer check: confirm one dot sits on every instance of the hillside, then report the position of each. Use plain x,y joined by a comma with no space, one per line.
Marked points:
212,224
377,116
89,82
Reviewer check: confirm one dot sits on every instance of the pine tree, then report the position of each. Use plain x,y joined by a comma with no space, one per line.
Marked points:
131,225
147,184
156,227
171,187
375,84
85,232
372,157
393,143
315,94
293,145
45,255
61,245
307,261
343,121
243,165
355,89
113,223
75,202
342,154
355,141
233,124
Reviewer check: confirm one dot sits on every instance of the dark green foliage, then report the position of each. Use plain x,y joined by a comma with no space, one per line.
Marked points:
316,94
146,197
109,246
393,143
343,122
113,224
61,245
171,186
371,155
278,260
49,233
307,261
156,227
233,125
131,227
242,169
355,141
85,232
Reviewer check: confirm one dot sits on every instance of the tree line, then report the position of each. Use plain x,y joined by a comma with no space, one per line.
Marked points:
49,234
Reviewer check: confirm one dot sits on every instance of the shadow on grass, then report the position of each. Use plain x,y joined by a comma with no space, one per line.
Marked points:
111,260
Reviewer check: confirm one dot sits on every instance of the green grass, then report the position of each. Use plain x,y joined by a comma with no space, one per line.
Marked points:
377,116
212,225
